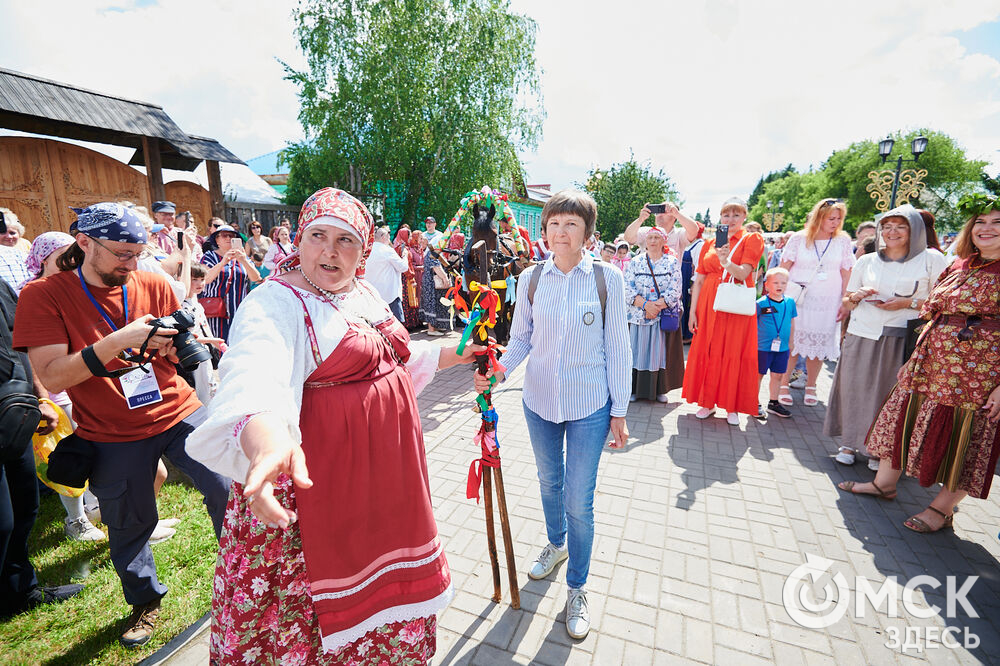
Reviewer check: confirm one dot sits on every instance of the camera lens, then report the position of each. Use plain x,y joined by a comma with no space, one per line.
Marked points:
190,352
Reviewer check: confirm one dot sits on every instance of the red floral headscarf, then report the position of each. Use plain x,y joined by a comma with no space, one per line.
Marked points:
342,207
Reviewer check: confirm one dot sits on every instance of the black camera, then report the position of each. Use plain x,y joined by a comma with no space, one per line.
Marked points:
189,351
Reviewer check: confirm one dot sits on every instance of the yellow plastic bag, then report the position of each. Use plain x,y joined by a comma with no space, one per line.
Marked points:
44,445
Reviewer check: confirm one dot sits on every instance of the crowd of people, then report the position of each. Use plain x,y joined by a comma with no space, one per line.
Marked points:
257,409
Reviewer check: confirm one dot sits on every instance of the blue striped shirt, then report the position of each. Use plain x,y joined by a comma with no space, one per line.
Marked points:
573,366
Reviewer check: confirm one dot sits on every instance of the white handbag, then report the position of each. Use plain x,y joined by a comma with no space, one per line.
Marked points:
735,297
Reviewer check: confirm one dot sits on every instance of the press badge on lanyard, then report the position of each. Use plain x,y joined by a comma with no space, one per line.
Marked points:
139,386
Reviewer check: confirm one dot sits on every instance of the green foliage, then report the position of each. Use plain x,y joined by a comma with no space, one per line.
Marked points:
774,175
438,95
844,175
622,190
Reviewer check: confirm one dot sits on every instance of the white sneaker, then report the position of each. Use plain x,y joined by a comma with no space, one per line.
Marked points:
80,529
577,613
873,464
161,534
733,419
704,413
94,516
169,522
547,561
798,383
845,455
662,398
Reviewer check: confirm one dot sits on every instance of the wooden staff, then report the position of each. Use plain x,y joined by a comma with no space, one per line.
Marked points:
482,361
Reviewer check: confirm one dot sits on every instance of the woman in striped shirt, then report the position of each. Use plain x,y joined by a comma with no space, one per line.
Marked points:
228,276
576,385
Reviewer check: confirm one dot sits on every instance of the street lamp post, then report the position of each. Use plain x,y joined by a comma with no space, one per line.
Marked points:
774,221
905,184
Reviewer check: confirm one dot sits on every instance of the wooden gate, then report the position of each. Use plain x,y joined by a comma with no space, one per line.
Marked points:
188,196
41,178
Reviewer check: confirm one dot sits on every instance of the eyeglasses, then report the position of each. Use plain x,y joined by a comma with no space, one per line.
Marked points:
969,331
123,256
830,202
886,228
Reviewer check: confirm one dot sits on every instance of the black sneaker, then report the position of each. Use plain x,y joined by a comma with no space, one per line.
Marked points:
44,595
778,409
761,414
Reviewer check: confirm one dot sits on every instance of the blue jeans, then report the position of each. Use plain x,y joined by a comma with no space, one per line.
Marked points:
567,481
396,308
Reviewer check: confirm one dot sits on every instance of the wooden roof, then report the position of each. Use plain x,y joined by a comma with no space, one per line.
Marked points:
41,106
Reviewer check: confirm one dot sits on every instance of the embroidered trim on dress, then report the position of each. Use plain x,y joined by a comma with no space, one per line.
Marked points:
413,564
404,613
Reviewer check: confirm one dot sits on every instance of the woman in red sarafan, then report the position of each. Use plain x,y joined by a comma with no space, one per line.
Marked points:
939,423
330,552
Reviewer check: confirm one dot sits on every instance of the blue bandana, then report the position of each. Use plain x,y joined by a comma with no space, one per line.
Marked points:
110,222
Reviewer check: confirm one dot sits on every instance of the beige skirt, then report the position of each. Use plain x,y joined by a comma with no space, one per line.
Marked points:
865,374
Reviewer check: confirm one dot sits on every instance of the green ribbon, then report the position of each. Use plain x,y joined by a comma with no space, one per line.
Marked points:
467,333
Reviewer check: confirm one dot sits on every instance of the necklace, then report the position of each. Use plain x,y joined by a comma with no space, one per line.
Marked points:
334,299
328,295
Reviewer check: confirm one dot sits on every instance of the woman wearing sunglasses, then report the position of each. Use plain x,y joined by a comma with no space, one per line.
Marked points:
939,423
886,290
819,260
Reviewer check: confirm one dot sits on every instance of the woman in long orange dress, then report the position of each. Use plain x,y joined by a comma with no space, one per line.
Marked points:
722,362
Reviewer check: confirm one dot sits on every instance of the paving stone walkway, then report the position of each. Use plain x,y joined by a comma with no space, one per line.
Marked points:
698,526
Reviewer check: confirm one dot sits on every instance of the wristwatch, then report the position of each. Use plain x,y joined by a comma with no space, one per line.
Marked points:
913,303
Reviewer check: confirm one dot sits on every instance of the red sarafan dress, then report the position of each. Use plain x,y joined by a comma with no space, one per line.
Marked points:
364,560
722,362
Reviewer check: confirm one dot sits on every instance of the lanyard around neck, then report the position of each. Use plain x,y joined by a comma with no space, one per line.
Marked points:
819,257
103,313
784,314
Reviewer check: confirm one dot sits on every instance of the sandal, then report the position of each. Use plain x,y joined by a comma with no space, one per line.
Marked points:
810,399
879,493
846,455
918,525
785,395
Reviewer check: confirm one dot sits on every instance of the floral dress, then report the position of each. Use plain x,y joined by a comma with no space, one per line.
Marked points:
932,423
817,332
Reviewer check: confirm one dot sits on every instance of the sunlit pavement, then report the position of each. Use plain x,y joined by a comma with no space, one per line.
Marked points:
699,525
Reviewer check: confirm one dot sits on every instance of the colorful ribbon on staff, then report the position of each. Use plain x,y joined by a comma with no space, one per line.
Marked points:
490,457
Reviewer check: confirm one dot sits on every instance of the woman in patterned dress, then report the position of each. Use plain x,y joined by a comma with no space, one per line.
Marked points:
657,365
229,275
432,310
939,423
819,258
339,562
413,275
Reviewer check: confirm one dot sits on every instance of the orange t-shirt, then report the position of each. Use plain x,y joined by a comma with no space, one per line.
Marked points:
56,310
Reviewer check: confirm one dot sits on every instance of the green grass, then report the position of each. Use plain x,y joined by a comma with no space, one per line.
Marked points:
85,629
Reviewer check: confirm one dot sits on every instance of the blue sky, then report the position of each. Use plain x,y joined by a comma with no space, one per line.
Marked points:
715,92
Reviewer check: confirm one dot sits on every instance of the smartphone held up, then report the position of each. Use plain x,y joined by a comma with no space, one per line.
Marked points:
721,235
657,209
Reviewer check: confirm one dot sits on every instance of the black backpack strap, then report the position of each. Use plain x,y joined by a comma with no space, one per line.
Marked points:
536,274
602,288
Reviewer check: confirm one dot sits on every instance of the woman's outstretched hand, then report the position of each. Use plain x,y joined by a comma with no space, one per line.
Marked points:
271,453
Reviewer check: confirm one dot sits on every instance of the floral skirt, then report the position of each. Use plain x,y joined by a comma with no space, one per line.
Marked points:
262,611
936,443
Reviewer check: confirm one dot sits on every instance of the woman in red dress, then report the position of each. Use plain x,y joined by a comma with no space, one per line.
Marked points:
722,362
330,552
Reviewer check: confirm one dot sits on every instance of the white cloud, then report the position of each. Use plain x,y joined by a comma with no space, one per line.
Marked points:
717,92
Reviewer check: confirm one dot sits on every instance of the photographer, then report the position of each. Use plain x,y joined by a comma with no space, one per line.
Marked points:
89,330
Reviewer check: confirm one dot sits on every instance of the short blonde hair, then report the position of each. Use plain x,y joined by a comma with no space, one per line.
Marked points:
777,270
753,227
572,202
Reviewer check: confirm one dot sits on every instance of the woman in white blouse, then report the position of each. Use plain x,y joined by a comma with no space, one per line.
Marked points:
316,420
885,291
576,385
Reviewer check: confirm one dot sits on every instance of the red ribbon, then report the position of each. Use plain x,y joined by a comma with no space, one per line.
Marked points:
490,458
